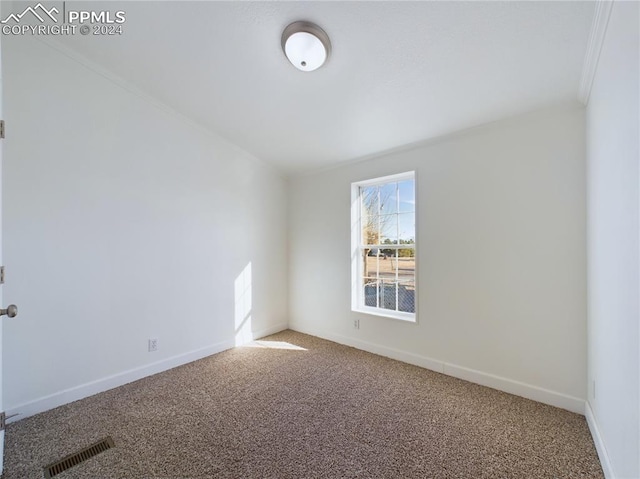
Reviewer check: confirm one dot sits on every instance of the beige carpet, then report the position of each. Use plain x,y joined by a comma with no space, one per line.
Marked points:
328,411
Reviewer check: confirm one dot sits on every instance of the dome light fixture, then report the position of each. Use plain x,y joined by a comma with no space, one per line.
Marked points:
306,45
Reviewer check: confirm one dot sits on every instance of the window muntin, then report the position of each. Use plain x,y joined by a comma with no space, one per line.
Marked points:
384,246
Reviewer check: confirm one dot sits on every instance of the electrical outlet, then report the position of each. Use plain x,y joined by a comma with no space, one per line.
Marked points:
356,323
153,344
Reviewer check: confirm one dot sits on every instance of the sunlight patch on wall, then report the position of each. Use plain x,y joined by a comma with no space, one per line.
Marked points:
242,288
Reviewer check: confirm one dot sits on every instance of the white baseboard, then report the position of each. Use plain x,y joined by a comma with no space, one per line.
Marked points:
270,330
517,388
496,382
510,386
397,354
597,439
100,385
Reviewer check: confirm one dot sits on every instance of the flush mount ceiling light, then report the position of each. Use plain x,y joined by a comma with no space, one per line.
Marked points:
306,45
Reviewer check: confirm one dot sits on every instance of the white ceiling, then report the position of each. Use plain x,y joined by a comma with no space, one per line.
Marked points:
400,72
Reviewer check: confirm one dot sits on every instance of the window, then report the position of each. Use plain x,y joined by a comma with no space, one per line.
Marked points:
384,246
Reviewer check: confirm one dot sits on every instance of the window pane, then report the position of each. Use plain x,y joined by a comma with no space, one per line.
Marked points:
407,228
407,296
371,264
370,200
387,265
388,291
370,230
389,198
389,229
406,266
406,191
370,292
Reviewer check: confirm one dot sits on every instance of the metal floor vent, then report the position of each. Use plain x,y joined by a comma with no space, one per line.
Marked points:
74,459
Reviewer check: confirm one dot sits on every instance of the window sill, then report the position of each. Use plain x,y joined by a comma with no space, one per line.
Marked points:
407,317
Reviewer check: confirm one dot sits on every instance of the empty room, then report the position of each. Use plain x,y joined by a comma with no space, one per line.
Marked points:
320,239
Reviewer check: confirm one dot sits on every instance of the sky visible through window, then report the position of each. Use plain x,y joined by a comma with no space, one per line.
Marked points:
389,212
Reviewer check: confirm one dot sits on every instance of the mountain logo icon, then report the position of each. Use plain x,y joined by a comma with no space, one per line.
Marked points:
34,11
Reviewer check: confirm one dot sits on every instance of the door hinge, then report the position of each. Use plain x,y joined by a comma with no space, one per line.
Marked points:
3,420
1,129
1,274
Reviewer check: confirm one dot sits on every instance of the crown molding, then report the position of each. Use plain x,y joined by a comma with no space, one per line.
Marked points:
594,47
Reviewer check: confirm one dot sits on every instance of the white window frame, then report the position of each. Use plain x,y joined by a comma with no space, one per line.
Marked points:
357,247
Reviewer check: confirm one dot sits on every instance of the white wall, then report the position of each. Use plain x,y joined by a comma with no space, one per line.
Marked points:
1,289
501,257
613,239
123,221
